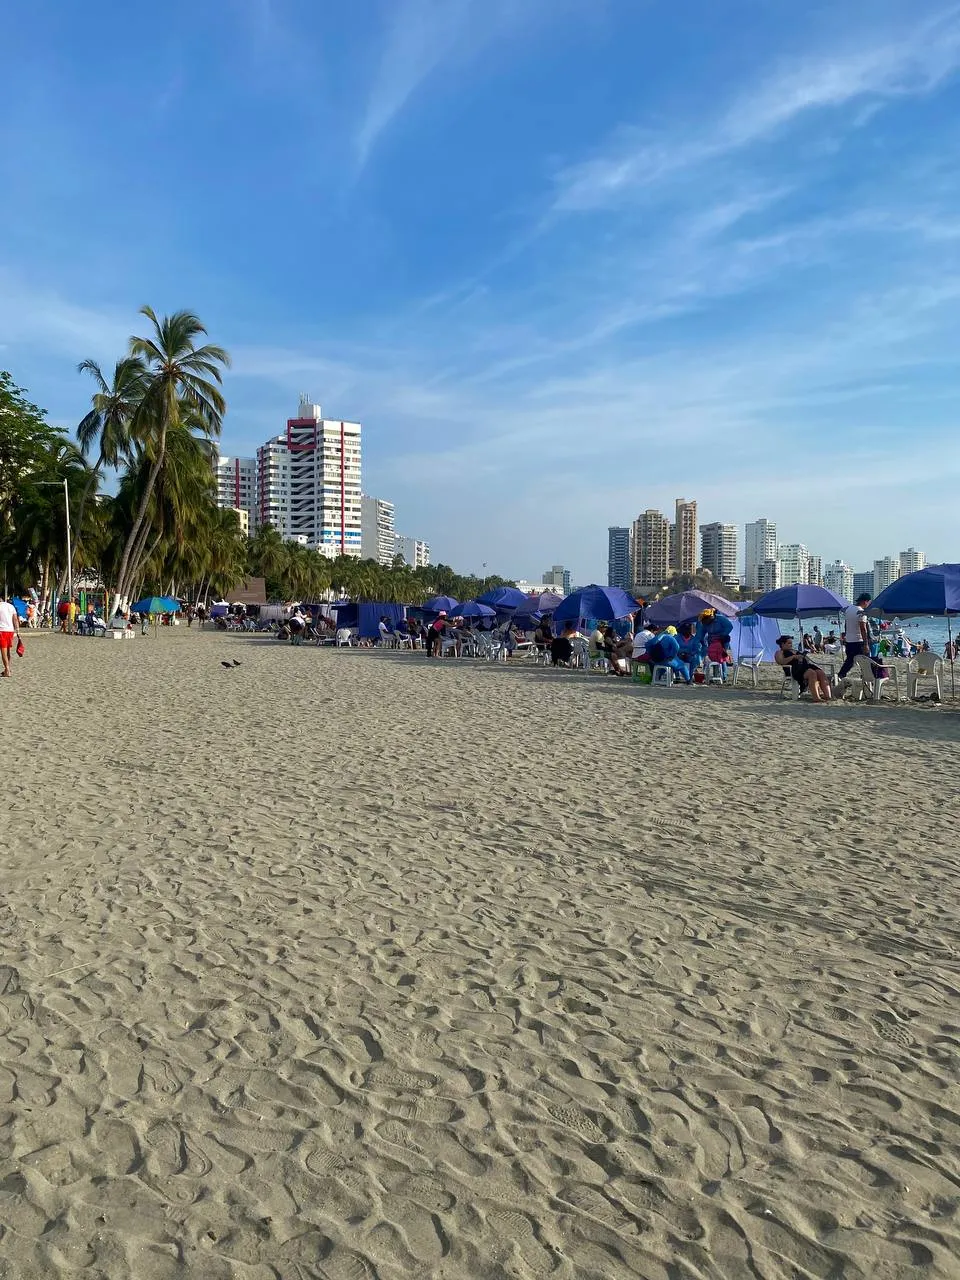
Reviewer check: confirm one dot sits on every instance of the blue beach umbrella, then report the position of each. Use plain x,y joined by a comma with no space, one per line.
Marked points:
605,604
930,592
798,601
504,599
155,604
545,602
474,609
686,606
439,604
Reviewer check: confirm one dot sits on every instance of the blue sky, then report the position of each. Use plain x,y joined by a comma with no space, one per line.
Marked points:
565,259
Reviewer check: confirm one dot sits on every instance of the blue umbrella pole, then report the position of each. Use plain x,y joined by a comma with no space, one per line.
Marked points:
953,669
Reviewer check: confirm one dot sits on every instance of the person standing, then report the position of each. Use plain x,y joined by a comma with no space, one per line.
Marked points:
856,634
9,627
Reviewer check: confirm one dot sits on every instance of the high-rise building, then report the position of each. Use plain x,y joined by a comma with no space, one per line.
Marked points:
767,576
559,578
794,559
862,584
309,482
651,547
911,561
718,550
815,571
760,545
237,486
838,577
415,552
684,555
376,529
885,571
619,558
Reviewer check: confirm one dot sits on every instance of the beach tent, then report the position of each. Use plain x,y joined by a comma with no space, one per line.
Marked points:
752,634
365,617
601,604
686,606
930,592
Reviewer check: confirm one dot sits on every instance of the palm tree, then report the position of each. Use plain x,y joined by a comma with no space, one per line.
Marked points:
179,377
107,424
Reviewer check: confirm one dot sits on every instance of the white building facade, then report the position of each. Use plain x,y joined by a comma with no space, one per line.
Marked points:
794,563
760,545
237,487
718,550
768,576
415,552
911,561
377,530
885,571
838,577
308,483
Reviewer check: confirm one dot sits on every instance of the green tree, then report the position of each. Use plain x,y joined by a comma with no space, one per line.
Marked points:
180,378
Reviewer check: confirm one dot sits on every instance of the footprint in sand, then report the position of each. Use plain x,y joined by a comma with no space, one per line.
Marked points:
887,1029
579,1121
517,1230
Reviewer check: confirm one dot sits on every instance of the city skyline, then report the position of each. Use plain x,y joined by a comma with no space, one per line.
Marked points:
528,292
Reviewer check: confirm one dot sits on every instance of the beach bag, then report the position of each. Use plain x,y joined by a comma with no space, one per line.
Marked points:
20,648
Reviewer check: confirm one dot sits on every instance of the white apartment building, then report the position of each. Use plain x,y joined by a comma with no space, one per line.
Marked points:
838,577
377,532
237,486
760,545
815,571
308,482
415,552
911,561
768,576
718,550
794,563
885,571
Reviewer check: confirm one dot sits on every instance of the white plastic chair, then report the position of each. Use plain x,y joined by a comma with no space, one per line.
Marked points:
713,672
581,654
925,666
344,637
448,645
748,662
662,675
870,686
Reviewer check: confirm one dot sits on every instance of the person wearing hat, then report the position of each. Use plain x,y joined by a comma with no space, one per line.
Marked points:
435,634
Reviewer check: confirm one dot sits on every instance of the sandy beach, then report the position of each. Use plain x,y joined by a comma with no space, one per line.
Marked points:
348,965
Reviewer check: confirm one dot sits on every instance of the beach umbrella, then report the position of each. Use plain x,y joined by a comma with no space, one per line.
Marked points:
155,604
440,604
930,592
474,609
527,621
504,599
799,601
687,606
605,604
544,602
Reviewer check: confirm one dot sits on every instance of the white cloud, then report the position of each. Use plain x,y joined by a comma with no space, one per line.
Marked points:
911,62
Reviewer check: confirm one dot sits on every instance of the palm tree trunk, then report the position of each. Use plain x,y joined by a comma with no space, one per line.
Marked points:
126,570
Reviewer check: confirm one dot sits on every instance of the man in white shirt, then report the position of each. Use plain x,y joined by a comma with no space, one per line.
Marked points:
9,627
641,639
856,633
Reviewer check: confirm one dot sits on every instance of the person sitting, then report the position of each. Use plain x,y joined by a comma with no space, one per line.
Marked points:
830,643
543,637
561,647
297,625
596,643
803,671
386,634
617,650
691,647
641,638
664,651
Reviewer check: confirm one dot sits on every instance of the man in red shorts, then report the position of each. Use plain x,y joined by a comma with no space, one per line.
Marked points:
9,627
